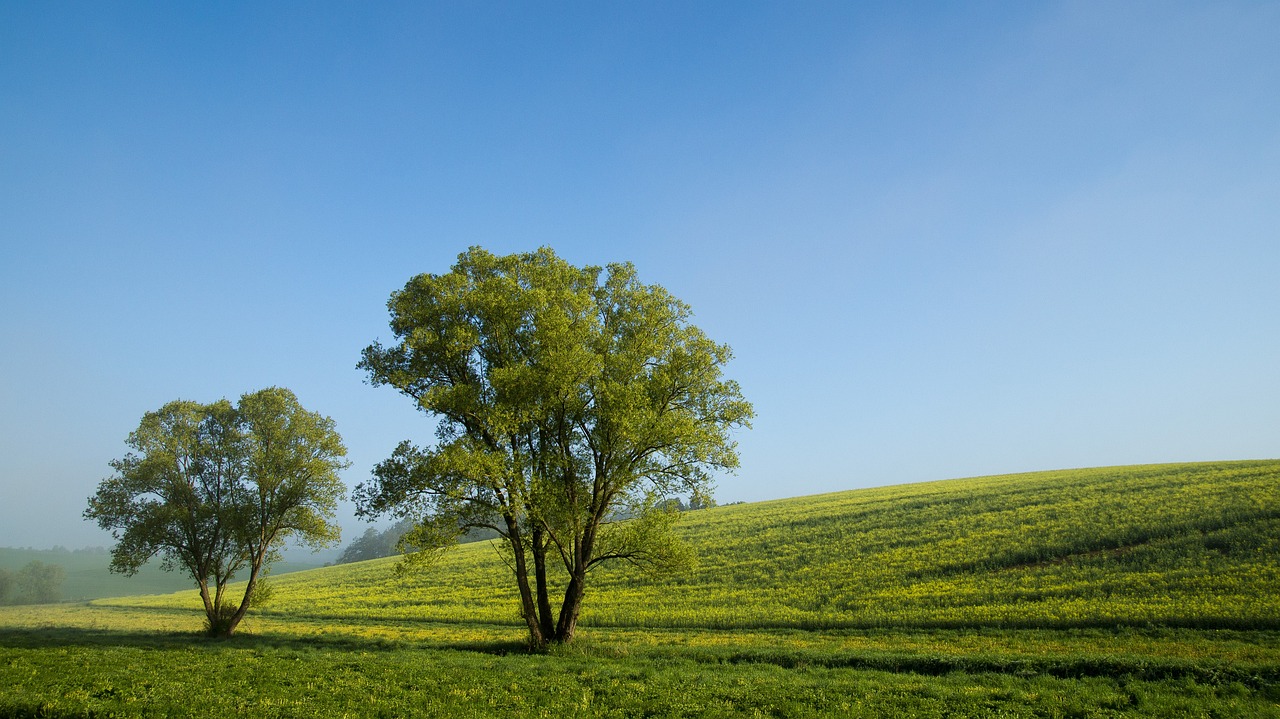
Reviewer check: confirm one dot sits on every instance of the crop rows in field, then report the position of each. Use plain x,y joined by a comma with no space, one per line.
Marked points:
1177,545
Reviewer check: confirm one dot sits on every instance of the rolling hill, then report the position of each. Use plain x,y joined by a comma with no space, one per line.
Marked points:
1185,545
1128,591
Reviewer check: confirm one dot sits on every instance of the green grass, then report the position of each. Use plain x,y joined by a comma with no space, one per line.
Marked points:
1131,591
1175,545
63,661
292,680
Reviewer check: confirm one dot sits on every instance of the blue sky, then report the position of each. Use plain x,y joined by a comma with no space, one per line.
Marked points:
943,240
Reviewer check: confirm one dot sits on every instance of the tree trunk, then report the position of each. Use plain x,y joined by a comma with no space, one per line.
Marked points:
545,620
529,610
583,550
216,618
573,594
210,606
234,620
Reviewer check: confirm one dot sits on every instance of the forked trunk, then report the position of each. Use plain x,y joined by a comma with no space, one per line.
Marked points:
528,609
568,621
216,617
213,619
573,593
234,620
546,621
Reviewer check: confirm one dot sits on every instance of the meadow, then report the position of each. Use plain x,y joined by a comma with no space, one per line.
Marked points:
1128,591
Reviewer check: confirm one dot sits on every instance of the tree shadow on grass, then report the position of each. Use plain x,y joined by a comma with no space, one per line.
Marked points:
27,710
1255,677
55,637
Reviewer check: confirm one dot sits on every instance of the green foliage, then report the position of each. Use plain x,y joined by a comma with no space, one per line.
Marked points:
565,396
214,489
292,457
374,544
39,583
35,583
648,540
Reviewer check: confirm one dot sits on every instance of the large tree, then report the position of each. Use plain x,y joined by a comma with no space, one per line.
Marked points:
568,399
216,489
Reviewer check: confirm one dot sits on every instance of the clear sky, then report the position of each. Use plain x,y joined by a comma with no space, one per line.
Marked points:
944,240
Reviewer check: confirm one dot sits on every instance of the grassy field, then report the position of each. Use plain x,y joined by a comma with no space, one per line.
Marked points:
1131,591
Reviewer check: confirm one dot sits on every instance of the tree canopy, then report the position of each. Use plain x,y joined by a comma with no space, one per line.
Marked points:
567,398
215,489
35,583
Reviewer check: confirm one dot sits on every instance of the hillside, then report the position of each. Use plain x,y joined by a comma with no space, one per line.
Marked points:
1191,545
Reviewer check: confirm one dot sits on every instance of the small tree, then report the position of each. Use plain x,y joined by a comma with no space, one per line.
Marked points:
40,583
568,398
6,585
369,545
216,489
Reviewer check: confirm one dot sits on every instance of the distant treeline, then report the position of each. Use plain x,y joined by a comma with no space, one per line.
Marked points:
35,583
374,544
59,549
